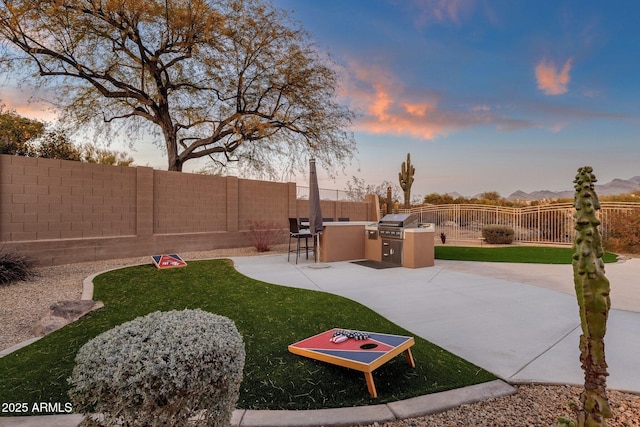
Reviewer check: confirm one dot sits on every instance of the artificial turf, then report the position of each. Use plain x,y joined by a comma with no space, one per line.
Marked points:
518,254
269,317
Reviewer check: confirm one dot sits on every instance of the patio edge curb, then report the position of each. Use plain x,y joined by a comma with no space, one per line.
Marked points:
331,417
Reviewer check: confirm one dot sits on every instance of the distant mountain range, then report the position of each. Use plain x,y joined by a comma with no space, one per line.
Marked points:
616,186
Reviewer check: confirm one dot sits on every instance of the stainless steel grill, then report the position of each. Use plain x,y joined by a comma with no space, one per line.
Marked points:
391,226
391,229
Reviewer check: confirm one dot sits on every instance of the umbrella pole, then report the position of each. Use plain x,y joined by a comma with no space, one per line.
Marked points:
317,263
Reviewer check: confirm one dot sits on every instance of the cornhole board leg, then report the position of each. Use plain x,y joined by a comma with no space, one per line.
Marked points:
410,358
368,376
371,386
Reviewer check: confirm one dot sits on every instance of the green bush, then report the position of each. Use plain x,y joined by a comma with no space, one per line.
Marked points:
15,267
497,234
166,368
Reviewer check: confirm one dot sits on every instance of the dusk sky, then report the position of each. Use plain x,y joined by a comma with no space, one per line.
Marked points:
487,95
495,95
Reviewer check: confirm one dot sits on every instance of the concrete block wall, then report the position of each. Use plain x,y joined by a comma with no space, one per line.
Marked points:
188,203
60,211
264,201
46,199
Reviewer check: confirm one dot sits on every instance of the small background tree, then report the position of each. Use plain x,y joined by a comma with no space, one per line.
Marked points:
623,234
56,145
16,132
92,154
21,136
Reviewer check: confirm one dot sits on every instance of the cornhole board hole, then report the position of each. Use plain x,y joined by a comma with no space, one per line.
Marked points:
362,355
168,261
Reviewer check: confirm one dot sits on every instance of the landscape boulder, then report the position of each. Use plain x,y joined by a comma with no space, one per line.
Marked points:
62,313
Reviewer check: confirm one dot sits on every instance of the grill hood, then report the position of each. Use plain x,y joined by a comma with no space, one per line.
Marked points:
400,220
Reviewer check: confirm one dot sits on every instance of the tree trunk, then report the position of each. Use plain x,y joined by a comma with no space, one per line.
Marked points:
175,164
171,141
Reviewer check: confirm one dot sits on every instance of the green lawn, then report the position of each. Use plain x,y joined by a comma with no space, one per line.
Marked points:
527,254
269,317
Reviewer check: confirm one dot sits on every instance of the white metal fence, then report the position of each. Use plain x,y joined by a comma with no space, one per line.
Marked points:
533,224
325,194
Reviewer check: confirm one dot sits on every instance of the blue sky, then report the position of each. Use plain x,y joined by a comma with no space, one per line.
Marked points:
486,95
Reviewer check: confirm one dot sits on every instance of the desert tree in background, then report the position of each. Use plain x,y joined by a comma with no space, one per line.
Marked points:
16,132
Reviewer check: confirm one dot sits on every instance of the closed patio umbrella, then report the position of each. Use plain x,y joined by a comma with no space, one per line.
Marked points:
315,211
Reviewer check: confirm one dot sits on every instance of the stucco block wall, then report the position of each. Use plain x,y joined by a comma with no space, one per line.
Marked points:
60,211
188,203
264,201
43,199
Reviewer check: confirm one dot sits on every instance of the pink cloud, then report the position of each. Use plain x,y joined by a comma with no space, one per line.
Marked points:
550,81
24,105
381,102
418,109
557,127
386,106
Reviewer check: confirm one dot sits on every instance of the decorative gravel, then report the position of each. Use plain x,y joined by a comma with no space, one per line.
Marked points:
532,405
24,303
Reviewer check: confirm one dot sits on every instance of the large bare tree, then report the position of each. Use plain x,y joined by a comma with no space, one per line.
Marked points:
232,80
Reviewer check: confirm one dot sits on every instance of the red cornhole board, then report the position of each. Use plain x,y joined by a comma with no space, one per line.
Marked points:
168,261
349,353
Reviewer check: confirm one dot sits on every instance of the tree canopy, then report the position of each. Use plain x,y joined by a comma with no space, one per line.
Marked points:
55,144
225,79
16,131
21,136
93,154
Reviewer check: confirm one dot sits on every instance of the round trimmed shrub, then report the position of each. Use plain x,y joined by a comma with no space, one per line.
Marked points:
167,368
498,234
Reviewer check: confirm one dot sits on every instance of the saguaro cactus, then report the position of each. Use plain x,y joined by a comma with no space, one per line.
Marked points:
592,291
406,180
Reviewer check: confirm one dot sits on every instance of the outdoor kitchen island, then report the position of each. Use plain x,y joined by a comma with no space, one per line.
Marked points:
399,240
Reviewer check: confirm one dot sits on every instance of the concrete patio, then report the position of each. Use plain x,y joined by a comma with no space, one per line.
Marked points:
518,321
